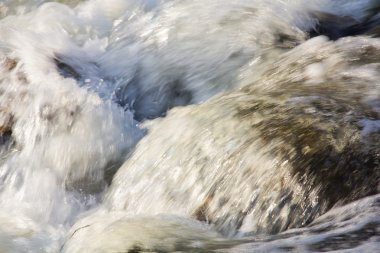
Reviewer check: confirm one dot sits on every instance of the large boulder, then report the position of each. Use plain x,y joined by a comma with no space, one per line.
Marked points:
297,140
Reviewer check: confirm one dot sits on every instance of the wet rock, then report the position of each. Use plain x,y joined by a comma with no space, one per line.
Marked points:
333,26
354,228
10,72
351,227
119,233
272,156
9,64
47,124
336,26
173,95
66,70
374,32
348,240
6,122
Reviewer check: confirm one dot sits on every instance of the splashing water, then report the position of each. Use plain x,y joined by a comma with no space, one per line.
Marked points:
190,126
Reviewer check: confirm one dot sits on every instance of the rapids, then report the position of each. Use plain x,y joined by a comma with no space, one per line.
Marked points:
189,126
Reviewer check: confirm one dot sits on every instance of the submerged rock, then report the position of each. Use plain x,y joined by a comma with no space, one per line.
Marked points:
6,122
335,26
192,51
338,22
300,139
66,70
58,142
350,228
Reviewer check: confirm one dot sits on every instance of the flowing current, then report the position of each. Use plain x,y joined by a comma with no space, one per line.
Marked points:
189,126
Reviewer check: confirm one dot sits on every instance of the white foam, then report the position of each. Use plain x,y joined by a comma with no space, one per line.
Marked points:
67,131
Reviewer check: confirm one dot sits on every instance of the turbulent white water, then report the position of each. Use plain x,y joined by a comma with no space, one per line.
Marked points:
93,88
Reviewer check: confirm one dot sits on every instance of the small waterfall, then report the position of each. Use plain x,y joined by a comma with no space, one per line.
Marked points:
272,156
207,126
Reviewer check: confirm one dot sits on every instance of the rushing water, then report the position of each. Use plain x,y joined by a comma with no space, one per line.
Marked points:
189,126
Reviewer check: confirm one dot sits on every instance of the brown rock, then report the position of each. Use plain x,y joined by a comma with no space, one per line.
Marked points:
9,64
6,122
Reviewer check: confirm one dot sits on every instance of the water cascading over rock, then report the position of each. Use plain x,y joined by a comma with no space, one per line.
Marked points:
293,135
299,140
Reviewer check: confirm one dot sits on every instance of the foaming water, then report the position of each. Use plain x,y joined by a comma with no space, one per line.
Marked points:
250,160
257,149
64,138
